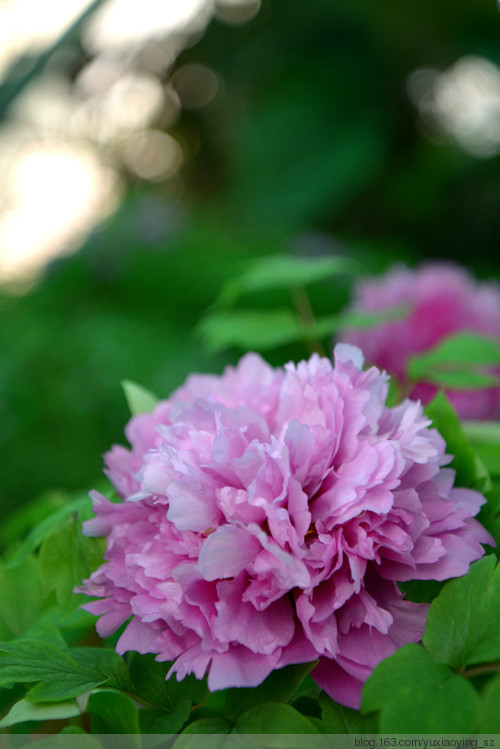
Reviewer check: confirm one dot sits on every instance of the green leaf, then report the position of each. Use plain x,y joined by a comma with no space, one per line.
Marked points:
208,725
470,470
60,675
274,717
66,558
280,686
458,362
250,329
490,714
139,399
148,677
485,438
463,626
340,719
113,712
25,577
154,720
46,526
23,711
417,695
283,272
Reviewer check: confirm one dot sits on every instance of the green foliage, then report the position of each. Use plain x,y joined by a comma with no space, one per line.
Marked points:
60,674
276,716
24,711
66,558
415,694
282,272
140,400
463,627
459,361
280,686
469,468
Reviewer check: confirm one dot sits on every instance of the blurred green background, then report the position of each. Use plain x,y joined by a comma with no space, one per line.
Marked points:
361,130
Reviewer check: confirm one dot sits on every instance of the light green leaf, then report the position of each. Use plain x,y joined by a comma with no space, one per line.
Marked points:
139,399
280,686
485,437
417,695
463,626
274,717
23,711
458,362
60,675
250,329
66,558
283,272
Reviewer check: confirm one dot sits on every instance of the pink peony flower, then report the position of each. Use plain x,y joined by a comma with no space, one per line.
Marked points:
267,516
442,299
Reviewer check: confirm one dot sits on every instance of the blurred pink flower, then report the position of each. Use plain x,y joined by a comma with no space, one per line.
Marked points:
267,516
442,299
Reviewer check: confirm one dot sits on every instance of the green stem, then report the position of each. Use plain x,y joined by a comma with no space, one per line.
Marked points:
306,317
487,668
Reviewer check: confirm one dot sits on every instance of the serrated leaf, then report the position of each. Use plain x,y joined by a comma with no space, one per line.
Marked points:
463,626
140,400
154,720
67,557
458,362
414,694
24,711
470,470
60,676
113,712
274,717
280,686
340,719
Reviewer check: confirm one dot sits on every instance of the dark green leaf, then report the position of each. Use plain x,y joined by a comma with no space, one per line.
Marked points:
274,717
417,695
458,361
340,719
139,399
113,712
280,686
154,720
470,470
209,725
23,711
463,626
490,714
148,677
